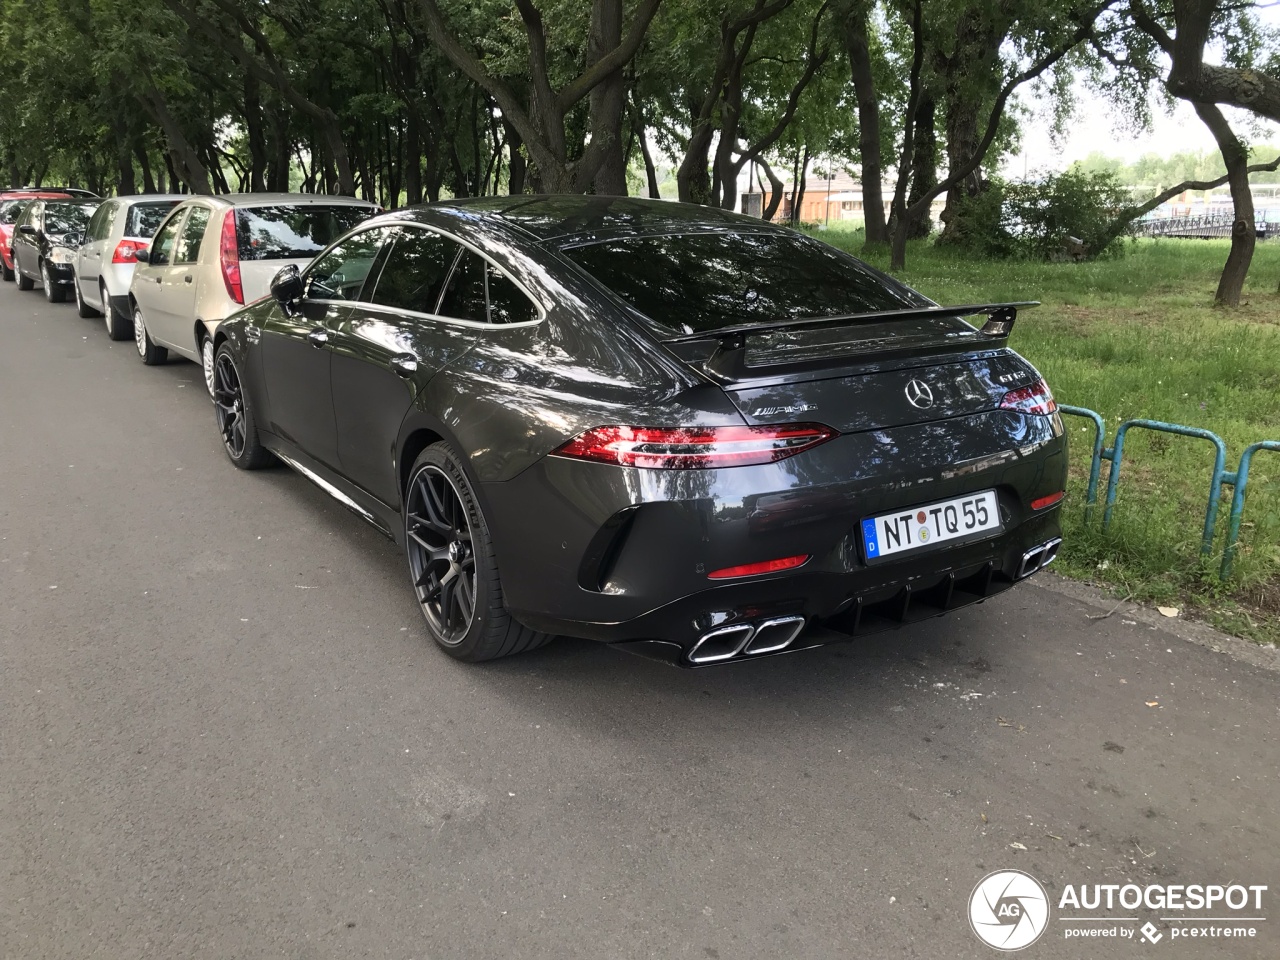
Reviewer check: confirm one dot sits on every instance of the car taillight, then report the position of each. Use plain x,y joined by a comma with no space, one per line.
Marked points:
695,448
229,257
1033,399
756,569
126,251
1044,502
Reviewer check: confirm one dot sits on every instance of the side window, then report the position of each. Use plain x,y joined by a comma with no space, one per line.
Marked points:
481,292
99,222
31,214
415,270
188,246
163,242
340,274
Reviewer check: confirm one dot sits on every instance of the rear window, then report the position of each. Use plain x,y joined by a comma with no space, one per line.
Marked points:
144,219
63,217
294,231
700,282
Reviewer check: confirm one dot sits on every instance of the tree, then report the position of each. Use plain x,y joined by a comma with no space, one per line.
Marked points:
542,121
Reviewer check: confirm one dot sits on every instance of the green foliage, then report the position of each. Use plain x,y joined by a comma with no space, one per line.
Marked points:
1154,172
1051,216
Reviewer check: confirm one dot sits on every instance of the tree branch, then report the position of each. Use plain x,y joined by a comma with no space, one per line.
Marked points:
614,60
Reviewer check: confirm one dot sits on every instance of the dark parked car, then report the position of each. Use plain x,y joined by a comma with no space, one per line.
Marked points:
12,203
683,431
44,242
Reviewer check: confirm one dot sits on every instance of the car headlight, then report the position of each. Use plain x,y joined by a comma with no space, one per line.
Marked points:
62,255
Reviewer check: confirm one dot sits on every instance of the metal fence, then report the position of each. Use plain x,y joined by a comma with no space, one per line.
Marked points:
1220,477
1202,226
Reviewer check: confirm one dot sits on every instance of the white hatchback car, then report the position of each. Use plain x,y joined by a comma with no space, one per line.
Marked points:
104,263
212,255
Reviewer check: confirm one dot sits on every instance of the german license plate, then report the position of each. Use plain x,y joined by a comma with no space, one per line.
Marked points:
919,528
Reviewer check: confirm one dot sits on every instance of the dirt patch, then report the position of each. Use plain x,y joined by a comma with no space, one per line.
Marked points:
1264,597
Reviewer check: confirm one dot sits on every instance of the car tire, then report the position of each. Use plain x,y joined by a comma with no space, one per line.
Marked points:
5,272
24,282
151,354
52,291
119,326
82,308
234,415
452,565
207,361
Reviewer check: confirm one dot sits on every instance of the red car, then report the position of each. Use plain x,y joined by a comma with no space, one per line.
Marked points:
11,204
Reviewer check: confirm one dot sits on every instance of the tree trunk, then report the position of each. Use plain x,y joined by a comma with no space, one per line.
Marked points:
693,179
184,160
607,101
257,140
924,167
797,190
413,159
1235,156
858,46
517,165
128,181
650,171
962,142
777,190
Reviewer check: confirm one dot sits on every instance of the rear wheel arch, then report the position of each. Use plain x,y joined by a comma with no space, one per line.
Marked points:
418,439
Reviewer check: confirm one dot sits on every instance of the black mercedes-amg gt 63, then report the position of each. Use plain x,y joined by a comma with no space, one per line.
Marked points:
685,432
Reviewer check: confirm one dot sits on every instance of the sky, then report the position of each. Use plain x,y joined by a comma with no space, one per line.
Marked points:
1095,128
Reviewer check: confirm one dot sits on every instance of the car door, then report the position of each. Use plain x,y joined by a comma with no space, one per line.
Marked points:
146,285
89,256
392,344
295,352
22,245
174,323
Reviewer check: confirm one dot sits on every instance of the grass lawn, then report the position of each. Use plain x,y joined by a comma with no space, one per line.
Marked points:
1139,337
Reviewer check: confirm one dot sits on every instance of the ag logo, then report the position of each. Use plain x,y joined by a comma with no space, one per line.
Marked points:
1009,910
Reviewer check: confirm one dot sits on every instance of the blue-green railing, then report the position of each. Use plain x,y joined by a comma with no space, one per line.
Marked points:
1238,479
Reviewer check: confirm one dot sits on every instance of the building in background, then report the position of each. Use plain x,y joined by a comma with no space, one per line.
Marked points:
826,200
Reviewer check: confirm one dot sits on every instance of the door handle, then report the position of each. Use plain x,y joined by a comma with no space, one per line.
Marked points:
318,337
405,364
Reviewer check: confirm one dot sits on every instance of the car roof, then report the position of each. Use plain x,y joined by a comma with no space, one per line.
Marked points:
275,199
35,195
129,199
571,218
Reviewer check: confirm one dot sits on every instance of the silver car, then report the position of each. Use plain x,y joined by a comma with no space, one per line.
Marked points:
104,263
212,255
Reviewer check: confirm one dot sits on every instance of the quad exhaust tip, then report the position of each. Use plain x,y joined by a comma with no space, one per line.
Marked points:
767,636
1037,558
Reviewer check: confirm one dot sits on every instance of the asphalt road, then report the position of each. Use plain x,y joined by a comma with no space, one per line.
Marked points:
224,734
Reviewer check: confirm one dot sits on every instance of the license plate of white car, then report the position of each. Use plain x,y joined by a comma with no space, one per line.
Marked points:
918,528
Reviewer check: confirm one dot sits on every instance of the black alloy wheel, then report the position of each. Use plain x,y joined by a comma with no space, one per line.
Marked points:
441,556
235,419
452,563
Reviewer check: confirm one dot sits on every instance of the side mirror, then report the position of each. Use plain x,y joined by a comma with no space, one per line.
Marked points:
287,286
73,240
142,255
28,229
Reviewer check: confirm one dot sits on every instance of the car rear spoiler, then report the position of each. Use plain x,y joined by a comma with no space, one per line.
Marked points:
728,361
